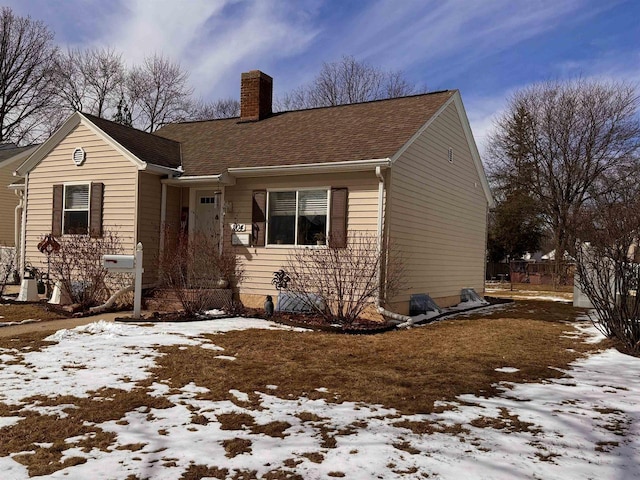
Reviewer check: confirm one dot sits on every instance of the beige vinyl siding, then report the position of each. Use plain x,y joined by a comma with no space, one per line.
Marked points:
437,214
103,164
260,262
8,203
149,204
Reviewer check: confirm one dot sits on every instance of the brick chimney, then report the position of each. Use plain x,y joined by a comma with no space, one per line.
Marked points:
256,92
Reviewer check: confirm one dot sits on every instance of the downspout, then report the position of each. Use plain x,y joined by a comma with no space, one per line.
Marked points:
17,227
405,319
163,214
221,215
23,227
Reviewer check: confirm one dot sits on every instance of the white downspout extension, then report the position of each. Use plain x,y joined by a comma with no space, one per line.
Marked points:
405,319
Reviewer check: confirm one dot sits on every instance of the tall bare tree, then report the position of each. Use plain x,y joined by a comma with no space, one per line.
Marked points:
557,141
158,93
347,81
27,57
222,108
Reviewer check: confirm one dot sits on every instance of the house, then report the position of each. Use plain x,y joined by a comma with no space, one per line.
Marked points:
405,168
11,194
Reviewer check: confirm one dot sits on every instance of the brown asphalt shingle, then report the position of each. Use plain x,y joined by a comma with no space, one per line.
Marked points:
361,131
145,146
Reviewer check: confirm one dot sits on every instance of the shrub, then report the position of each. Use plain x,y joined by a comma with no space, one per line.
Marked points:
346,278
195,270
7,266
77,265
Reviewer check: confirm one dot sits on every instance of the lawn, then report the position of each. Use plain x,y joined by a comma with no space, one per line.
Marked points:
520,390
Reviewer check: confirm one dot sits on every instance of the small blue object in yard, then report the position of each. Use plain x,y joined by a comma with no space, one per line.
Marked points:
470,295
292,302
421,303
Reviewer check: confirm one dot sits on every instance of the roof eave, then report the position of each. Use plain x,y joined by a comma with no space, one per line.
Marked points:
192,181
159,169
310,168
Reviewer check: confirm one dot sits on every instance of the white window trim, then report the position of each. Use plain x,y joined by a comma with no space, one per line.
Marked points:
64,209
296,245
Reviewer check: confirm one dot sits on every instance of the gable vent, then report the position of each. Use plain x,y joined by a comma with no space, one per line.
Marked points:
78,156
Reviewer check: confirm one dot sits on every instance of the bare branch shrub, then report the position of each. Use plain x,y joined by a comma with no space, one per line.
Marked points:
7,266
346,278
607,262
195,270
78,268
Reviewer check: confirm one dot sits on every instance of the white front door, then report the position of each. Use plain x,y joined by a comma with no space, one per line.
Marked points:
207,213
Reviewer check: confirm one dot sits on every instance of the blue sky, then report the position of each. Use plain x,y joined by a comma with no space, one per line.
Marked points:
485,48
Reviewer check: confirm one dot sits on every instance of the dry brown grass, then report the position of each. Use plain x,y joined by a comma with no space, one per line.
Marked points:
406,370
18,312
236,446
101,406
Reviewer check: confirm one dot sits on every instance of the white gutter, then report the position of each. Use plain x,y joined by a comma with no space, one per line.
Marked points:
185,181
406,320
153,168
307,168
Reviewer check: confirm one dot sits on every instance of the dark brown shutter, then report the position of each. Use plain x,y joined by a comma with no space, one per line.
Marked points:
338,226
259,218
56,219
95,210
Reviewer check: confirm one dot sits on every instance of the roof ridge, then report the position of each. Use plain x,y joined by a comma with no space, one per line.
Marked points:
342,105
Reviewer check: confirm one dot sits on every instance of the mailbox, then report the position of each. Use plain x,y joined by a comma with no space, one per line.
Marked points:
118,262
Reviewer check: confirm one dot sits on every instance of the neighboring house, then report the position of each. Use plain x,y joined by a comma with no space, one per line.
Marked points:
406,168
11,192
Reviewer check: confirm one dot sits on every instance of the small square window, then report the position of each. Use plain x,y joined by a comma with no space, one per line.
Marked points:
76,209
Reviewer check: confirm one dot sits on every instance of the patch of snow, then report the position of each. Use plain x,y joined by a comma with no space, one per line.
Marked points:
8,421
225,357
507,369
21,322
211,346
243,397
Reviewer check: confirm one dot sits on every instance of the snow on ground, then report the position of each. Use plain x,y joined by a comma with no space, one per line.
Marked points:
585,425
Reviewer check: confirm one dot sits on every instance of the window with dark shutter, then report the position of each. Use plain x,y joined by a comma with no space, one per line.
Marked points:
338,225
95,211
259,218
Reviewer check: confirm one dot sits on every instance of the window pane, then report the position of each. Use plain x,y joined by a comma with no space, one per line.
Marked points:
76,197
312,217
282,218
76,222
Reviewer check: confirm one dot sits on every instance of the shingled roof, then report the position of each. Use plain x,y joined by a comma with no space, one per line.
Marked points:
9,151
145,146
361,131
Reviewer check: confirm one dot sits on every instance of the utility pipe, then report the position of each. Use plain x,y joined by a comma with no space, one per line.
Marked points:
405,319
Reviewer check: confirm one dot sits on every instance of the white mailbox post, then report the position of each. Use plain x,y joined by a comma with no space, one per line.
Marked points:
129,263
